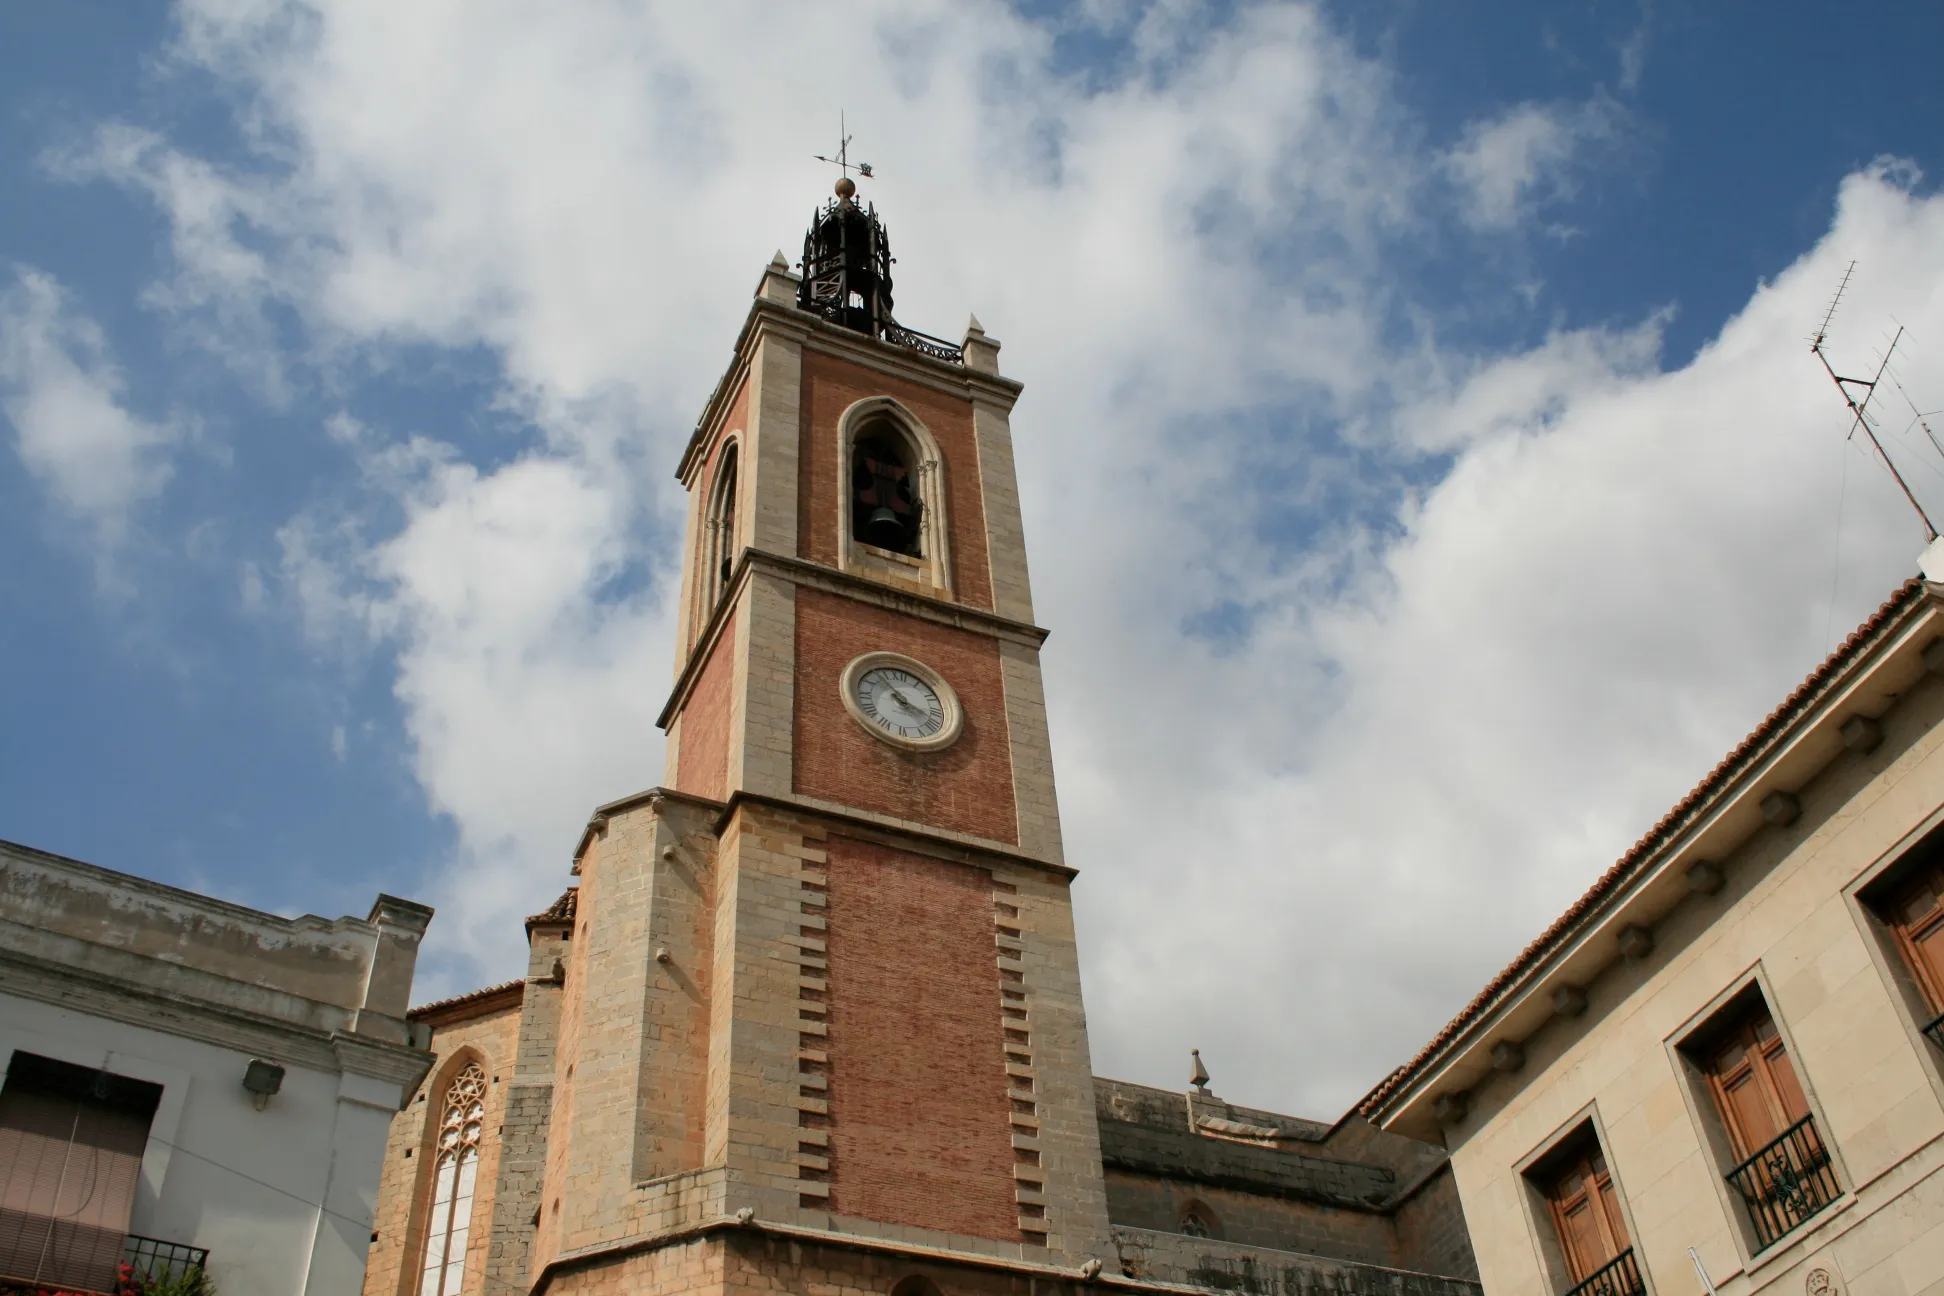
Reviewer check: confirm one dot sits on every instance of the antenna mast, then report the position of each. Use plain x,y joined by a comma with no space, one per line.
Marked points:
1860,410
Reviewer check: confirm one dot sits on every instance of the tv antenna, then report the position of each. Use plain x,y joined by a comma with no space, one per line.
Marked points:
842,161
1860,416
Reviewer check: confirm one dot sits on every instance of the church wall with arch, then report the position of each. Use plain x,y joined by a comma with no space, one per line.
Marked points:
486,1032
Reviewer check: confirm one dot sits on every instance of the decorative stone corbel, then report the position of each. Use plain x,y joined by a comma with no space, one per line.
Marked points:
1569,1000
1705,878
1636,942
1861,734
1781,809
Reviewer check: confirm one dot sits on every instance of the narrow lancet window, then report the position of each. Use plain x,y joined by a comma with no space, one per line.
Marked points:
721,542
453,1179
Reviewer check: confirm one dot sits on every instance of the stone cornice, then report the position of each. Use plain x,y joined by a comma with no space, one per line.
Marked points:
597,822
730,1230
818,334
93,994
812,575
942,842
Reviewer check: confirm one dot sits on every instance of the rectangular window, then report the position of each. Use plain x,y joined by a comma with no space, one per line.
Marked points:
1583,1208
1914,910
71,1143
1783,1172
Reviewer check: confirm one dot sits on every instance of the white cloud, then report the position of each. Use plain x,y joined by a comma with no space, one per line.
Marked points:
1507,167
66,399
1442,697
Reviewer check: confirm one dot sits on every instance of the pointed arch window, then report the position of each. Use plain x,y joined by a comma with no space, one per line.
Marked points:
453,1180
1198,1221
893,520
719,545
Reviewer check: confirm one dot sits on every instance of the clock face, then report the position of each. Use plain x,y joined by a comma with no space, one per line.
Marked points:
899,702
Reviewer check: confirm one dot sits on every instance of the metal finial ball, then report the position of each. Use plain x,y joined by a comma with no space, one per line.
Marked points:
845,187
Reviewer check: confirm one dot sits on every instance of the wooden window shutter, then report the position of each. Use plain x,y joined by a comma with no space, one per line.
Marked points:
1917,917
1754,1081
71,1143
1586,1213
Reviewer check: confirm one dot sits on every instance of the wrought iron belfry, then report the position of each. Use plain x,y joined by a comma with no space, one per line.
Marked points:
847,265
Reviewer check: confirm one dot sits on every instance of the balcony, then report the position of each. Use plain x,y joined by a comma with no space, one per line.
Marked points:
1934,1030
1619,1276
151,1262
1786,1182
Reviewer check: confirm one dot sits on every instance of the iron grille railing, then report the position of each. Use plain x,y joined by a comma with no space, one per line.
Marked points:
924,344
160,1261
1934,1030
1619,1276
1787,1181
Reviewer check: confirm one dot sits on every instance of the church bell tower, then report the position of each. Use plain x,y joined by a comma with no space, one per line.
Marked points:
822,988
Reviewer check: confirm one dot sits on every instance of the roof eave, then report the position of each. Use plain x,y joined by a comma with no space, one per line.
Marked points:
1865,677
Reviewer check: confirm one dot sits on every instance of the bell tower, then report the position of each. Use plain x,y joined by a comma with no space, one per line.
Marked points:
825,979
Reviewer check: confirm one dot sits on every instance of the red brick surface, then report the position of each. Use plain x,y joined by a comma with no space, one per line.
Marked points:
831,385
920,1129
702,760
967,787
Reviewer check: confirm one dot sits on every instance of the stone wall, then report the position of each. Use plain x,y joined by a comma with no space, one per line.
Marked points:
1260,1271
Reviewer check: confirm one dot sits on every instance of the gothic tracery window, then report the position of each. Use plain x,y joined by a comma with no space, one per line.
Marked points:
452,1183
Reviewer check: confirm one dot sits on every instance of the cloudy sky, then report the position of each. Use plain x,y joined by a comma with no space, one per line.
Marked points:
1426,475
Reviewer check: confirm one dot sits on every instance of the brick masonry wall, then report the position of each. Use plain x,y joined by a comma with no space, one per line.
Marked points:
404,1188
831,385
919,1119
967,787
702,762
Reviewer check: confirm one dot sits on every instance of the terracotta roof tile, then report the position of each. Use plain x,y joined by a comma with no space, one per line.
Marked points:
460,1001
1624,868
560,911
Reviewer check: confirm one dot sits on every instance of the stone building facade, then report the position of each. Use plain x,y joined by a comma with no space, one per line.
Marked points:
811,1017
1723,1068
193,1084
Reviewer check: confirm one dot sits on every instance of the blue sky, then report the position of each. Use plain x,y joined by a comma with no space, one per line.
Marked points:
1428,377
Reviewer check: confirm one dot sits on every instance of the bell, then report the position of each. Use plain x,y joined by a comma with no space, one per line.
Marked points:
884,529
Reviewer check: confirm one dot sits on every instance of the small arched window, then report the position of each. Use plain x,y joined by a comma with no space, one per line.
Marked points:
454,1176
887,511
1199,1222
915,1285
719,545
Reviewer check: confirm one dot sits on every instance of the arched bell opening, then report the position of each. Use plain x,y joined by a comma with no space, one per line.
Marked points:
887,509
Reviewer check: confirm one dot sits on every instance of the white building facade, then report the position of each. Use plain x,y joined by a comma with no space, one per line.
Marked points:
190,1082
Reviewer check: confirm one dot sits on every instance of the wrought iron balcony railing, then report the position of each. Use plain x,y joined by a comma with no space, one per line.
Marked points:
160,1261
1786,1182
1619,1276
1934,1030
924,344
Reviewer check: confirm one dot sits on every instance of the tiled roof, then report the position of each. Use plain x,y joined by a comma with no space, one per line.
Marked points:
560,911
1642,850
461,1001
